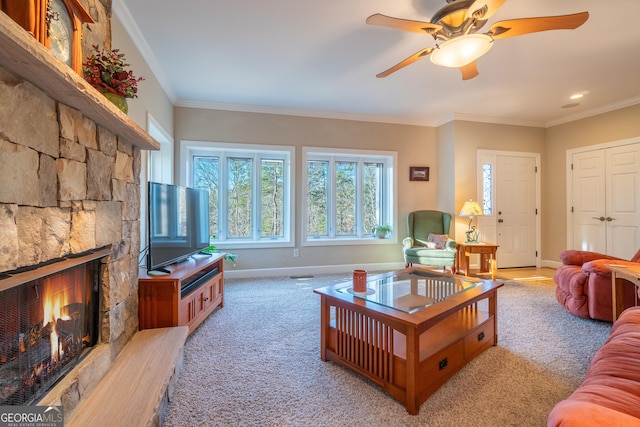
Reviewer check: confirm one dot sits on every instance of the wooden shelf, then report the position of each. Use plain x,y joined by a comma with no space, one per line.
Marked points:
22,55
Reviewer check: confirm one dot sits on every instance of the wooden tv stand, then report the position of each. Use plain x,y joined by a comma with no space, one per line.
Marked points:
185,296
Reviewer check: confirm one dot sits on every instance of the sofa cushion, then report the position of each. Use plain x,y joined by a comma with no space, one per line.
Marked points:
610,392
430,253
571,413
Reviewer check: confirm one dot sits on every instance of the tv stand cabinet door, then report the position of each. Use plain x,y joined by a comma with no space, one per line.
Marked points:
196,307
158,303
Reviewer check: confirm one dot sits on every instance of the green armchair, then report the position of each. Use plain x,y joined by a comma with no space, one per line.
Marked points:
428,242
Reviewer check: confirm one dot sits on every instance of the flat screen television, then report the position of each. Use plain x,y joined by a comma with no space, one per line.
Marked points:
178,224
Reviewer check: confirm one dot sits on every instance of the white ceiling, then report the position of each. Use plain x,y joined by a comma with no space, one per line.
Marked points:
319,58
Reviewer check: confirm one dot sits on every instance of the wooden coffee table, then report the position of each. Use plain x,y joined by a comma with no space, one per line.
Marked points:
411,331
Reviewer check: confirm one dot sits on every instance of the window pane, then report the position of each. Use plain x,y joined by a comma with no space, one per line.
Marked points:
487,189
345,198
239,197
272,198
317,197
372,196
206,172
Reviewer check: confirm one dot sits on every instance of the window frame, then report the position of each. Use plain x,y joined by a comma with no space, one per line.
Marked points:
390,182
191,149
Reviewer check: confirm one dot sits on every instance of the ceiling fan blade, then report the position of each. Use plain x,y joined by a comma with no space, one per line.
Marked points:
484,9
469,71
403,24
517,27
410,60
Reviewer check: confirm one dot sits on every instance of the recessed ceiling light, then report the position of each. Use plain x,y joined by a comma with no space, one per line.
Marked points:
576,96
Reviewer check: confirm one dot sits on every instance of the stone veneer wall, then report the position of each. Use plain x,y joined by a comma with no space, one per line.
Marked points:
67,186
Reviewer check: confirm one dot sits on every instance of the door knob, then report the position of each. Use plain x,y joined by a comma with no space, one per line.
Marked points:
599,218
610,219
501,220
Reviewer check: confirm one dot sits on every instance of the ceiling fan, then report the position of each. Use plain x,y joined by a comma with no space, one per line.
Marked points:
455,28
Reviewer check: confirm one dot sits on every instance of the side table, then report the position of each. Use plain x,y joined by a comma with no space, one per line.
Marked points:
621,272
487,252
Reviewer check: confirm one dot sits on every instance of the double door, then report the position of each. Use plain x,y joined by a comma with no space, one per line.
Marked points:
605,200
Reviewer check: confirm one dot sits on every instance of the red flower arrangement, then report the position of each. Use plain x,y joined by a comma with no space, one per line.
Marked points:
106,72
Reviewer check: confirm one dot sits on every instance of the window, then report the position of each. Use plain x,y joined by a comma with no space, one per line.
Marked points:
250,191
347,194
487,189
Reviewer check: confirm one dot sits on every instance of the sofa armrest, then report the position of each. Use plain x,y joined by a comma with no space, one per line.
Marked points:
575,257
407,243
601,266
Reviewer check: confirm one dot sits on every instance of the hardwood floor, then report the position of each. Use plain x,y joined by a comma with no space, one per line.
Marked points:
533,276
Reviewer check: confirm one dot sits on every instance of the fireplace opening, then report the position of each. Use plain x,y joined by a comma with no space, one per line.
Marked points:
47,325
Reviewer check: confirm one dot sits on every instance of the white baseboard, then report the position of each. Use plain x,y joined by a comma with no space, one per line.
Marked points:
311,270
551,264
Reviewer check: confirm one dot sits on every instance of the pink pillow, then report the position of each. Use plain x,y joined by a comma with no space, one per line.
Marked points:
439,239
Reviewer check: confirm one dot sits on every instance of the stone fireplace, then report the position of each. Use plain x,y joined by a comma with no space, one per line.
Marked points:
47,324
69,185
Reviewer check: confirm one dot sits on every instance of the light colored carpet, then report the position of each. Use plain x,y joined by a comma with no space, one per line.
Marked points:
256,362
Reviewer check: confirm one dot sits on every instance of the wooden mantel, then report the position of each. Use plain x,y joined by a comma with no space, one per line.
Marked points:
22,55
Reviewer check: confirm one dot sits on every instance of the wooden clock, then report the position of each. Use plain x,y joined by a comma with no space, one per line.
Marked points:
57,24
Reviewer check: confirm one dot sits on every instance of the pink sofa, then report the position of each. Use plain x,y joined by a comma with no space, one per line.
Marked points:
584,284
610,392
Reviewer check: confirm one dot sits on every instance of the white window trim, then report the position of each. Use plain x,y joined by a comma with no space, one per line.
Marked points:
188,149
391,203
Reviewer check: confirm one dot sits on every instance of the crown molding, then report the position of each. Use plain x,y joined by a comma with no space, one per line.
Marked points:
488,119
321,114
594,112
130,26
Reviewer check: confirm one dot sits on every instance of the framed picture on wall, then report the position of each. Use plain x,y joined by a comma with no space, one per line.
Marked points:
418,173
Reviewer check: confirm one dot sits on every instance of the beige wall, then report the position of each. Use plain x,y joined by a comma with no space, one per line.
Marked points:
152,98
446,160
607,127
415,145
449,151
473,136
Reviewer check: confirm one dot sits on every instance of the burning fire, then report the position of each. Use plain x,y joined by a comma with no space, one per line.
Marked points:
46,333
53,303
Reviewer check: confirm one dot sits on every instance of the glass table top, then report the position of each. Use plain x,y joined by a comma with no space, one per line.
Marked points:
410,291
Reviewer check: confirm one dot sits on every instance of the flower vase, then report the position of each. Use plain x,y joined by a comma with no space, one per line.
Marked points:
118,100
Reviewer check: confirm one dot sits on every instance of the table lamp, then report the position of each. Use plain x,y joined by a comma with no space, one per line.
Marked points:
471,209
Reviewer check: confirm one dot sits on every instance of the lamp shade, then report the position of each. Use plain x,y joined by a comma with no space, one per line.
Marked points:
462,50
470,208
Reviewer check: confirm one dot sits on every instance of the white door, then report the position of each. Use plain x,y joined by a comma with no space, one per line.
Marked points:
589,201
516,210
623,200
606,200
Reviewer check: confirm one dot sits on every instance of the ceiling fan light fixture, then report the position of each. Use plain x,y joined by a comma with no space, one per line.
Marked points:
460,51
